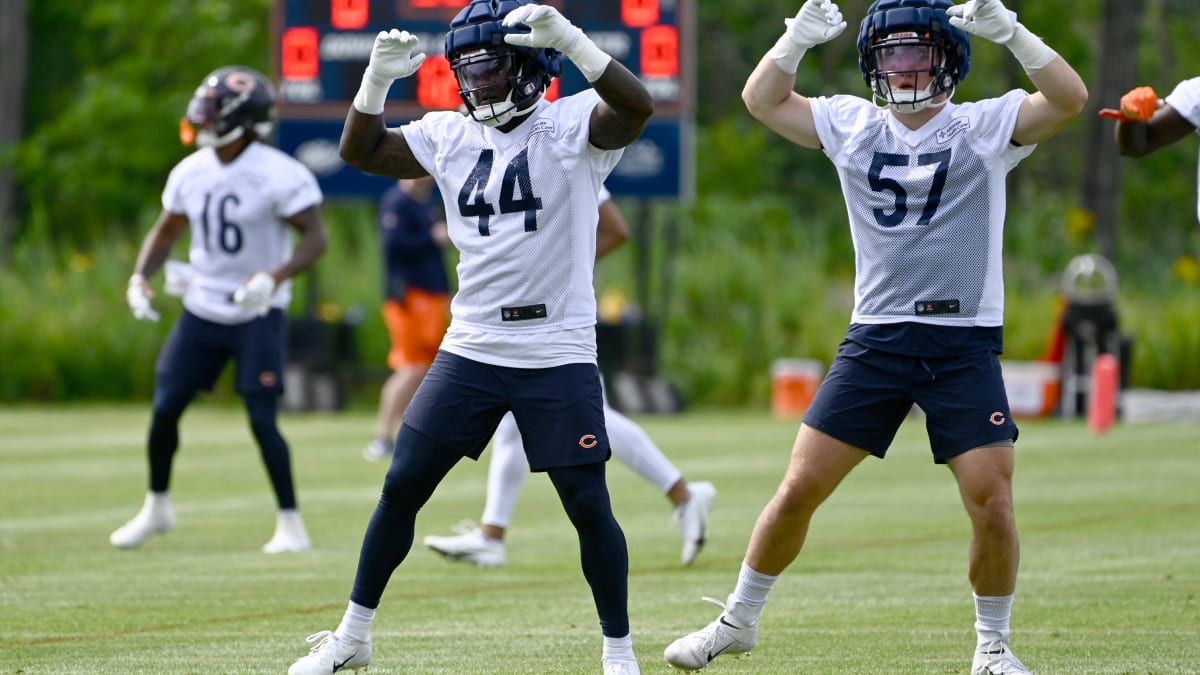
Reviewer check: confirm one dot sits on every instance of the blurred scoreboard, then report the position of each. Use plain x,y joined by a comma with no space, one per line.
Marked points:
321,47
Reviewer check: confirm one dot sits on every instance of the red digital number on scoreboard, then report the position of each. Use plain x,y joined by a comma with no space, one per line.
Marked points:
349,14
437,88
660,51
639,13
298,58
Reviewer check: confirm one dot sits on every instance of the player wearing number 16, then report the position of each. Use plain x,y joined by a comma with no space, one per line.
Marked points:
923,180
520,177
242,199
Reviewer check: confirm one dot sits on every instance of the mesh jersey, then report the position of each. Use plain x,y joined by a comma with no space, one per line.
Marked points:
926,207
1185,99
237,213
521,208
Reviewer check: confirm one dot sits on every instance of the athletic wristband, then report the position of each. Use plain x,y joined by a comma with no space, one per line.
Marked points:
137,278
1030,51
787,53
371,94
588,58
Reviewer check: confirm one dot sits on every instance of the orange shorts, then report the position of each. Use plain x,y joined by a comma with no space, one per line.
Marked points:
416,327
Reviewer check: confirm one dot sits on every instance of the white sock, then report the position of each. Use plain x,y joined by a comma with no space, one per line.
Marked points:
288,517
356,623
750,594
992,613
621,648
158,501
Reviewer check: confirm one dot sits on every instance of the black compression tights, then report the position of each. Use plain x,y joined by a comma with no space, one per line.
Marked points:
419,465
163,441
602,551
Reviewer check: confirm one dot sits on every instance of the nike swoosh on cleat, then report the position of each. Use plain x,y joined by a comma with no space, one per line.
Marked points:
339,666
712,655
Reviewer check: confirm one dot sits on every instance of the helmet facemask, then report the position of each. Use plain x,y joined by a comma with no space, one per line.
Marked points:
908,53
497,84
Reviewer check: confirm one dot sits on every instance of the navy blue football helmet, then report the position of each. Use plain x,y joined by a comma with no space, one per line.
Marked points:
497,81
912,36
229,102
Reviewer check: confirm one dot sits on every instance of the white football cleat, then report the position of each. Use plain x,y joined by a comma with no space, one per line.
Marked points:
692,517
290,535
156,517
332,654
469,545
994,658
723,636
616,666
377,450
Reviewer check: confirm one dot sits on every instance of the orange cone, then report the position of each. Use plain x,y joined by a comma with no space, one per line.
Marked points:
1102,403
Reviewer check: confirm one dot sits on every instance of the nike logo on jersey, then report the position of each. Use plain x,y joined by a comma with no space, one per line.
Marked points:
956,126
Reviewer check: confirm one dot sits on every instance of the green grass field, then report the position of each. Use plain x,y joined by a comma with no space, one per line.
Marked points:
1109,583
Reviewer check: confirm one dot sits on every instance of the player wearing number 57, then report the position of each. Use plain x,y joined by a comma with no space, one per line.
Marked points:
923,180
519,177
241,198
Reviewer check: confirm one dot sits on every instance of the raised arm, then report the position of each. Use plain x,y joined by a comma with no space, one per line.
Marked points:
626,103
1061,94
1148,123
770,94
367,144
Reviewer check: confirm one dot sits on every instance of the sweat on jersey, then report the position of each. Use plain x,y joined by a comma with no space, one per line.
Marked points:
237,213
521,208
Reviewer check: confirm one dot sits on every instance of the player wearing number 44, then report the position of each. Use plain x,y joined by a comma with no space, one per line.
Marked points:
241,198
923,180
520,177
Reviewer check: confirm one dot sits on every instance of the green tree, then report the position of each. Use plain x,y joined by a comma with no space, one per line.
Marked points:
112,80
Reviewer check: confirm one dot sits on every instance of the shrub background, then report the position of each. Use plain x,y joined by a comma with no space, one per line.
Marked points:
758,267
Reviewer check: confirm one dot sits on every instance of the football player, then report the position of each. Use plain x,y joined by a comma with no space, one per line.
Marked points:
519,177
483,545
923,179
242,199
416,302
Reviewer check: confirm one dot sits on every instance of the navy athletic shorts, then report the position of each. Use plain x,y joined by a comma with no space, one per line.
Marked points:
197,350
867,393
559,410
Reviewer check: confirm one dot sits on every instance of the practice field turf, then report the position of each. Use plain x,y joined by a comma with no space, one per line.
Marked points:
1110,576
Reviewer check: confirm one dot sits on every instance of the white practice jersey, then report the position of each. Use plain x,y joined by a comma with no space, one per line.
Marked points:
926,207
238,215
1186,101
521,207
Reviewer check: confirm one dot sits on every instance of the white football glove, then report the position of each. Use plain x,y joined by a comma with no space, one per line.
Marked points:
989,19
392,58
178,276
138,295
817,22
392,55
254,295
549,28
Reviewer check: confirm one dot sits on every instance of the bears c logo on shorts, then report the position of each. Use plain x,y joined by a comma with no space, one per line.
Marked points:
587,441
